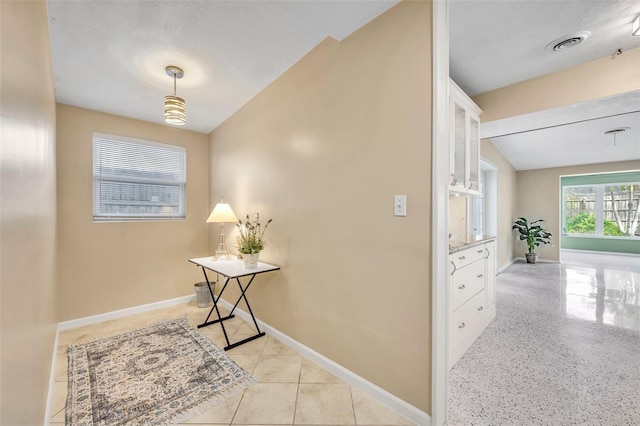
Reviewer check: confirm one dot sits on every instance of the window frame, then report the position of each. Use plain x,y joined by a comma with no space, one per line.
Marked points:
181,184
598,210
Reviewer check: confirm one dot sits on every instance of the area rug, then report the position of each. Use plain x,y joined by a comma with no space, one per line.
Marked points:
161,374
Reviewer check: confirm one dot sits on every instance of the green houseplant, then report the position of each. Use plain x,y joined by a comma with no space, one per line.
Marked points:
251,240
534,235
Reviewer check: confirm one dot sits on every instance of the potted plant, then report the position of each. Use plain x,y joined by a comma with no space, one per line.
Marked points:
534,234
251,240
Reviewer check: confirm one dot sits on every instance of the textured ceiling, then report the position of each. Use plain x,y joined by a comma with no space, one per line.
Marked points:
498,43
494,44
111,56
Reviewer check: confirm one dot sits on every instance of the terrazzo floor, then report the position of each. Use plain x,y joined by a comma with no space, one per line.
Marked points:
563,350
292,389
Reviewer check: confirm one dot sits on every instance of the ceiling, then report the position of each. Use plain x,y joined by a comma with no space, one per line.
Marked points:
111,56
494,44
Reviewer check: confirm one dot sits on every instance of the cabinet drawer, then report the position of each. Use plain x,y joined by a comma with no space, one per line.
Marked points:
465,257
466,282
467,319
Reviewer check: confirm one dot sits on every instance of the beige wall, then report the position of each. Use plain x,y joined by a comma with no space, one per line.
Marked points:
604,77
538,197
27,213
114,265
322,151
506,200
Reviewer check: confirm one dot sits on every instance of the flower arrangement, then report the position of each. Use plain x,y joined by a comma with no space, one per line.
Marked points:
251,237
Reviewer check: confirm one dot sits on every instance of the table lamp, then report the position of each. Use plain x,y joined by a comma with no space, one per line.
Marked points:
222,214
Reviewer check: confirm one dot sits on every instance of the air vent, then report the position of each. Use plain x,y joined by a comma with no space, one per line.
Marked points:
568,41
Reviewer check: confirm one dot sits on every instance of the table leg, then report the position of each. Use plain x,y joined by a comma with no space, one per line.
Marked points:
215,307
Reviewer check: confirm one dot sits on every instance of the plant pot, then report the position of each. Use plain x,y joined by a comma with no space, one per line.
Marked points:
531,257
250,260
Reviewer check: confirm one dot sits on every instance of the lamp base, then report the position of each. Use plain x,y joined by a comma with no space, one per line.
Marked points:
221,251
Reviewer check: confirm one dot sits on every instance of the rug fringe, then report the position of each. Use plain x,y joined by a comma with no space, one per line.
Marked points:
214,400
242,379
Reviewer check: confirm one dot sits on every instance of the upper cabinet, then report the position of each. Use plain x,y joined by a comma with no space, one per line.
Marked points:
465,141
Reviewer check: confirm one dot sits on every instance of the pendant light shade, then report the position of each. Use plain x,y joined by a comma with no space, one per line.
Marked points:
174,106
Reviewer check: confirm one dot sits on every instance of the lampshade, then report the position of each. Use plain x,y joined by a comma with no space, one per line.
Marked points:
174,106
174,110
222,213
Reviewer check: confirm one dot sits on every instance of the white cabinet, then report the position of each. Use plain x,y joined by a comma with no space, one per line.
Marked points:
465,141
472,291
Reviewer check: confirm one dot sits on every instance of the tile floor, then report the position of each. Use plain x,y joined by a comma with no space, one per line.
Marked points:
563,350
292,389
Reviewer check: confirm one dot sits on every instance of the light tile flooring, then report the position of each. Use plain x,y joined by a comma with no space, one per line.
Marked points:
564,348
292,389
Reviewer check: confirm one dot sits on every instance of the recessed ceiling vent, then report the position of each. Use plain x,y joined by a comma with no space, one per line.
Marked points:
568,41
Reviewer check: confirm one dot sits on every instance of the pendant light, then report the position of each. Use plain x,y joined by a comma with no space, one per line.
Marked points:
174,106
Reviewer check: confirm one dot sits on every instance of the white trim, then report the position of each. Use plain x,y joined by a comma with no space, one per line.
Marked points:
400,406
52,379
81,322
505,266
94,319
538,260
440,164
608,253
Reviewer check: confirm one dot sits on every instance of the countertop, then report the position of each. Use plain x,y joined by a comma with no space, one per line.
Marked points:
469,241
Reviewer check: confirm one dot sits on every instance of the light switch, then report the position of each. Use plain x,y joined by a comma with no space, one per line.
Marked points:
400,205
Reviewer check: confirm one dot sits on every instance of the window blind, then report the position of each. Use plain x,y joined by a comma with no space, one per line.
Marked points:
137,180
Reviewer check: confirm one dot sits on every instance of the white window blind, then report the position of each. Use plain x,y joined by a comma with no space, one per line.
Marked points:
137,180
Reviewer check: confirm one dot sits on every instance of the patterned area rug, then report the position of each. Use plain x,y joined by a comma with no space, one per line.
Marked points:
160,374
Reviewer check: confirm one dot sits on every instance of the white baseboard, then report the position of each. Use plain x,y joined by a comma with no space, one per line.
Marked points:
412,413
402,407
538,260
81,322
505,266
608,253
52,380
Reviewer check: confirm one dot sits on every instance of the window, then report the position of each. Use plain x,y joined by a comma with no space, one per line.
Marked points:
137,180
609,210
579,207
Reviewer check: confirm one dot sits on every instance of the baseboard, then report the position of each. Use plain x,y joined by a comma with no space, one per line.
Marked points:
538,260
81,322
505,266
52,379
412,413
608,253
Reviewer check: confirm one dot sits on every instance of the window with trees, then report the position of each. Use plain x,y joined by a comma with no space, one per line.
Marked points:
137,180
602,210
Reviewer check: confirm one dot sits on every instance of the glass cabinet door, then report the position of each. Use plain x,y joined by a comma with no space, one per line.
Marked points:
459,151
474,155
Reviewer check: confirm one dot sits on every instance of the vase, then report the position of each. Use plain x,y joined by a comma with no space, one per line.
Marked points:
250,260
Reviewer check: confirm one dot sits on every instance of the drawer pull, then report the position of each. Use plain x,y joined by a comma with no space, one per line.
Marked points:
462,287
461,258
462,325
480,308
480,251
479,276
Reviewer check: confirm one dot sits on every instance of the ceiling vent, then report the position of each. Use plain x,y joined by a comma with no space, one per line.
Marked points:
568,41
